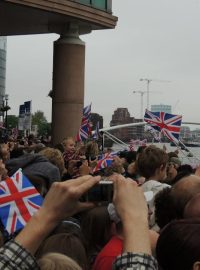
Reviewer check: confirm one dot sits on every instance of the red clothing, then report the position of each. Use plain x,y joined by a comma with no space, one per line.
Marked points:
108,254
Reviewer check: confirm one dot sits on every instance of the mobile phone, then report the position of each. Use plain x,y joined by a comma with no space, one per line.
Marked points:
102,192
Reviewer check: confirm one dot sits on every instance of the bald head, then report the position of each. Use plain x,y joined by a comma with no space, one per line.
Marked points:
183,191
192,208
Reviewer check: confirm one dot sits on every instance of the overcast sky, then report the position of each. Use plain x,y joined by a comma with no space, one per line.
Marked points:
154,39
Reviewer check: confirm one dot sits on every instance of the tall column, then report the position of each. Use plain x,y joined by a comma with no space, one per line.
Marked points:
68,84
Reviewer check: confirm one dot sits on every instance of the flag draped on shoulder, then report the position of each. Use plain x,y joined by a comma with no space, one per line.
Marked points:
104,161
19,200
166,123
85,130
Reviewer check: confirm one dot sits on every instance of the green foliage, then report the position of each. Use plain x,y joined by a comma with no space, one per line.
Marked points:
12,121
39,119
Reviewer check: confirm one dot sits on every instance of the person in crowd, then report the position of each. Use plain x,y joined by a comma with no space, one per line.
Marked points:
61,201
3,171
68,244
192,208
91,150
170,203
113,248
69,150
132,209
183,191
178,245
4,152
97,230
37,169
164,207
55,157
152,164
57,261
172,167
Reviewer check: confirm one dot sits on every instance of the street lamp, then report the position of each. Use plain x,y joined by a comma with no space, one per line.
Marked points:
6,109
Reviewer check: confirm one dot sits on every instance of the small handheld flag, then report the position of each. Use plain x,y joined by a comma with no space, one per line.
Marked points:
104,161
19,200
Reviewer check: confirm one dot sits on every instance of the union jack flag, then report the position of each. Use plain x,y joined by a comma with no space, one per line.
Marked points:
86,113
104,161
166,123
19,200
85,130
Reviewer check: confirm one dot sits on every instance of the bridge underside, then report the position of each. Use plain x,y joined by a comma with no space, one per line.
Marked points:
69,19
39,17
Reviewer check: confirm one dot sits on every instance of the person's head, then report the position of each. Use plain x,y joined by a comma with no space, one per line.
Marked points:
57,261
91,150
164,208
192,208
183,191
55,157
182,171
69,144
178,245
96,227
4,151
140,150
152,162
65,243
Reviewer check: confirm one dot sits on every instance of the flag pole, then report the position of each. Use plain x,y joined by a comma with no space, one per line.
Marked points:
188,150
112,137
178,146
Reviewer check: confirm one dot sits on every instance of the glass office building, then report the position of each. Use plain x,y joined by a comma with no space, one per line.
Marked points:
161,108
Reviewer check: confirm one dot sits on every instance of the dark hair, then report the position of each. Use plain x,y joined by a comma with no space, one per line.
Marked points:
164,208
178,245
151,159
65,243
131,156
96,228
182,171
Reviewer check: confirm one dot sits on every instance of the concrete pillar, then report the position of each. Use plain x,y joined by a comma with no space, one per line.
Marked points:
68,84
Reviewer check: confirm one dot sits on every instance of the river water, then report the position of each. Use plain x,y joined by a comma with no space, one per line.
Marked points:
183,155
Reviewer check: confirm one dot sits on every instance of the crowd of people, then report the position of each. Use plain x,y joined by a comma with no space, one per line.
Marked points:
151,221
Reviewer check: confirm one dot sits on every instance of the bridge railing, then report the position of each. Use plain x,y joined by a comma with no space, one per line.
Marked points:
105,5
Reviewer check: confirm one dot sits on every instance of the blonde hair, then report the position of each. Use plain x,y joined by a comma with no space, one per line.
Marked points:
65,140
56,261
55,157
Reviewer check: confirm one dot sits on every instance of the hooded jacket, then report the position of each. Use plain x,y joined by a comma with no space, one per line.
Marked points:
34,165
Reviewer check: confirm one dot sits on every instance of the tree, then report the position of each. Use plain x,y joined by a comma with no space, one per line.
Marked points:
12,121
39,119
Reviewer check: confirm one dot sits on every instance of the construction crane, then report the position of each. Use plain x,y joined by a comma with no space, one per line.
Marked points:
148,81
142,94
